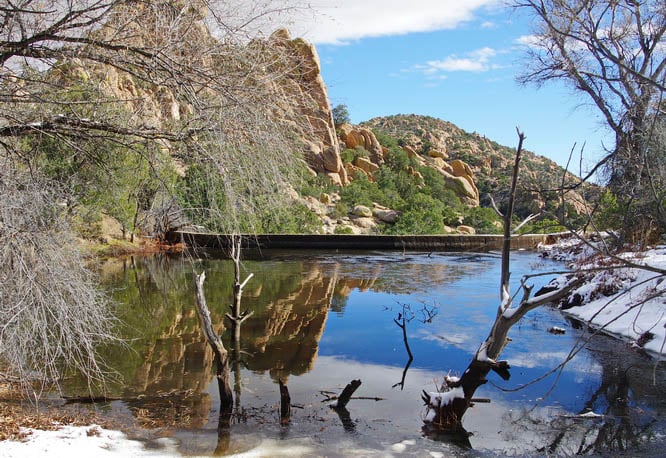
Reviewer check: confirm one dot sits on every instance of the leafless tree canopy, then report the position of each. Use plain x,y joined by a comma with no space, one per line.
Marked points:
182,74
90,79
614,53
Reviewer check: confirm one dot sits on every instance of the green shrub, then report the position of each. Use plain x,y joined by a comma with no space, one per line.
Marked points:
314,186
345,230
104,177
201,194
435,185
610,213
422,214
542,226
451,216
359,151
361,191
340,114
396,159
348,155
484,220
340,210
386,140
290,219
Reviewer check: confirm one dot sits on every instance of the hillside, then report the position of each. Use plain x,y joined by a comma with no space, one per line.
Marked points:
490,162
160,157
411,174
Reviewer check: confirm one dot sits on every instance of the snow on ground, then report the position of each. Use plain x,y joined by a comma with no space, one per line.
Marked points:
629,303
83,442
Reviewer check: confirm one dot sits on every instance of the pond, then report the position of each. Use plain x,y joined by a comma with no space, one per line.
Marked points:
322,319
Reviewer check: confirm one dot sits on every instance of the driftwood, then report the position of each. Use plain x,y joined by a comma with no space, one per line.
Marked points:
340,406
346,395
221,354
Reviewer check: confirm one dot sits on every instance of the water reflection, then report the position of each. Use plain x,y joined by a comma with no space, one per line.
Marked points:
621,414
324,319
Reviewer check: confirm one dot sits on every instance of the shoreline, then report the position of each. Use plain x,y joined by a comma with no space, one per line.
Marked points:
624,302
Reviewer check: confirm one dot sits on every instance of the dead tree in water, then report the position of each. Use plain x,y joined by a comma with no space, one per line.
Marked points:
236,316
447,407
221,354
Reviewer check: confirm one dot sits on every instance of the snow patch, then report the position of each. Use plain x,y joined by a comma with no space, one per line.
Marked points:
82,441
626,302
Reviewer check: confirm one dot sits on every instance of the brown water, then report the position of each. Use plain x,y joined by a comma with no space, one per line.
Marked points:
323,319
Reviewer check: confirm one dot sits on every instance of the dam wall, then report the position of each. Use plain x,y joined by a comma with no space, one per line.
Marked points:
365,242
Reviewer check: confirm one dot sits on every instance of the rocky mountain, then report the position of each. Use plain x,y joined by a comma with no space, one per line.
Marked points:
490,163
473,166
295,94
323,144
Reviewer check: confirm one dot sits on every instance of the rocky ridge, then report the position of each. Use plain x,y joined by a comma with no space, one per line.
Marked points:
489,162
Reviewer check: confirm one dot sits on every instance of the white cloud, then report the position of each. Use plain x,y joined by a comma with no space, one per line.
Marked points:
531,41
475,61
341,21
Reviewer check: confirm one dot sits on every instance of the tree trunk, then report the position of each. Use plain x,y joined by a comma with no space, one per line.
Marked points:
221,354
285,404
236,316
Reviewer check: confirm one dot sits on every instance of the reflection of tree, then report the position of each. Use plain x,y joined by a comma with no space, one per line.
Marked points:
338,303
615,417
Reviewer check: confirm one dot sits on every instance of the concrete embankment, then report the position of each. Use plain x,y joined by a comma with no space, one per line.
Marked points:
366,242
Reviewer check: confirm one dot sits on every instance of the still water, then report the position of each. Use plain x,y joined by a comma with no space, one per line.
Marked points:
322,319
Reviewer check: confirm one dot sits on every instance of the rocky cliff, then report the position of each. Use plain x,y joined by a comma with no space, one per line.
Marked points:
306,95
322,147
471,165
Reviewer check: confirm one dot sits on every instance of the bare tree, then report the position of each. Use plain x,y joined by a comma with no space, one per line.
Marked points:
52,315
182,75
447,407
220,352
163,80
236,317
612,52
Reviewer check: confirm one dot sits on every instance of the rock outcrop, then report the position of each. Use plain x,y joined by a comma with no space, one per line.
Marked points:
353,137
309,98
477,162
457,174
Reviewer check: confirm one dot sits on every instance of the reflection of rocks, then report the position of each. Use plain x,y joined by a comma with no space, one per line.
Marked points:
173,365
178,360
171,382
284,337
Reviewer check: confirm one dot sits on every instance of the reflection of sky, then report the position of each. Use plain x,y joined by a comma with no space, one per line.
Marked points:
380,425
466,307
360,340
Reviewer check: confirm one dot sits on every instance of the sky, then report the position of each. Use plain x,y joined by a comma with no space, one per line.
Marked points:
451,59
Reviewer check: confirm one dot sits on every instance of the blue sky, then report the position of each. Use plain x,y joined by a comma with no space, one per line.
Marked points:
454,60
